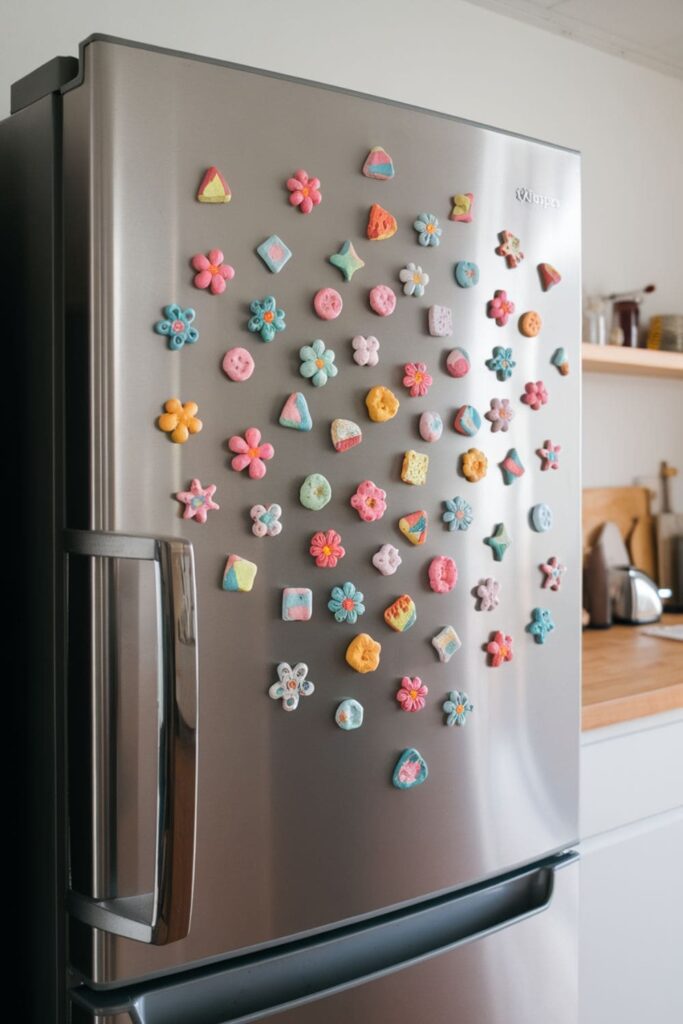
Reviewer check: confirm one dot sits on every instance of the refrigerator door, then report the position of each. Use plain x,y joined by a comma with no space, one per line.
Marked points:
298,826
506,952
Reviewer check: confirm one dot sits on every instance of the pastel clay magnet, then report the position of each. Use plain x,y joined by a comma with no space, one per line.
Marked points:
292,684
198,501
365,350
457,708
297,604
499,542
414,280
382,404
295,413
560,359
548,275
458,514
382,300
415,467
378,164
238,364
381,224
274,253
266,522
317,363
401,615
326,548
412,694
177,326
500,415
251,454
363,653
467,421
500,308
442,574
499,649
179,420
411,770
446,643
428,230
212,271
462,210
315,492
416,379
440,321
345,434
549,455
430,426
266,319
511,248
346,603
501,362
458,363
541,518
487,594
349,715
369,501
553,572
511,467
530,324
304,191
386,560
327,303
346,260
474,465
213,188
414,527
466,274
239,574
535,394
541,625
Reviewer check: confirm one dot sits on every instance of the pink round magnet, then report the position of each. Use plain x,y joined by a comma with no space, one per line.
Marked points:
458,362
382,300
443,574
238,364
328,303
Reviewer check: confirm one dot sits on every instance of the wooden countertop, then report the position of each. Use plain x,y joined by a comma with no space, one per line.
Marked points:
627,674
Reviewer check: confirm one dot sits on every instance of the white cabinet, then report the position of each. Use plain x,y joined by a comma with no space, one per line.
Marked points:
631,873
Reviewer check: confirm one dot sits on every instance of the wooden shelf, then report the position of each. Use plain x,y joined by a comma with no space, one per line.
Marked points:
639,362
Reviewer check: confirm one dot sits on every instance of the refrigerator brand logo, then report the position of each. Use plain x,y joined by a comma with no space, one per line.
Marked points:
527,195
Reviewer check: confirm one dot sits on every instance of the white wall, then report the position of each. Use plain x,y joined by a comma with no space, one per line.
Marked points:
453,56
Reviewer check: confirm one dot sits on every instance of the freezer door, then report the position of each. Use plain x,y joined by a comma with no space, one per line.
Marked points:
297,824
505,953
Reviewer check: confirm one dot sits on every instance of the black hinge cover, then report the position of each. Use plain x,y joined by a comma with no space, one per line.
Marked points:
48,78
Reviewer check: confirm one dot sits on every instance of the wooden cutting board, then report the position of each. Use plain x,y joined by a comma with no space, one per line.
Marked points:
629,508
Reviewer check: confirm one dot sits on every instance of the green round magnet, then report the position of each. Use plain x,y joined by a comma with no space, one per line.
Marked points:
315,492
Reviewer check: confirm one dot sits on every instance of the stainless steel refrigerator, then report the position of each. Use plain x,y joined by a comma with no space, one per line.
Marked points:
215,858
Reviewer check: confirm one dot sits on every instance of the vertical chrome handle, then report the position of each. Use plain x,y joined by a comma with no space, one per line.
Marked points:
163,915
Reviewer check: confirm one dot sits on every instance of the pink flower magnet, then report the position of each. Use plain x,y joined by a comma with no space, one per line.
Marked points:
212,272
251,453
549,455
412,694
416,379
499,649
500,308
553,573
535,394
326,548
304,191
198,501
443,574
369,501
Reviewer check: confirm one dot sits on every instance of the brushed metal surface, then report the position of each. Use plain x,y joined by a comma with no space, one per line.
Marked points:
298,825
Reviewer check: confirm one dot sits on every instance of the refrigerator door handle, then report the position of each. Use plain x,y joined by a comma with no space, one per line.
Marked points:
163,915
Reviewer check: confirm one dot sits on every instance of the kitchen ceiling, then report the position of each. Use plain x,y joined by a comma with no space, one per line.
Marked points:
647,33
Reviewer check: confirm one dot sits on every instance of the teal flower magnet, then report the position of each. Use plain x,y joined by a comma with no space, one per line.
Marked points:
178,326
267,319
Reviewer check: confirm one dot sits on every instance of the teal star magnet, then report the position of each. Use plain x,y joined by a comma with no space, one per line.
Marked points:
347,260
499,542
